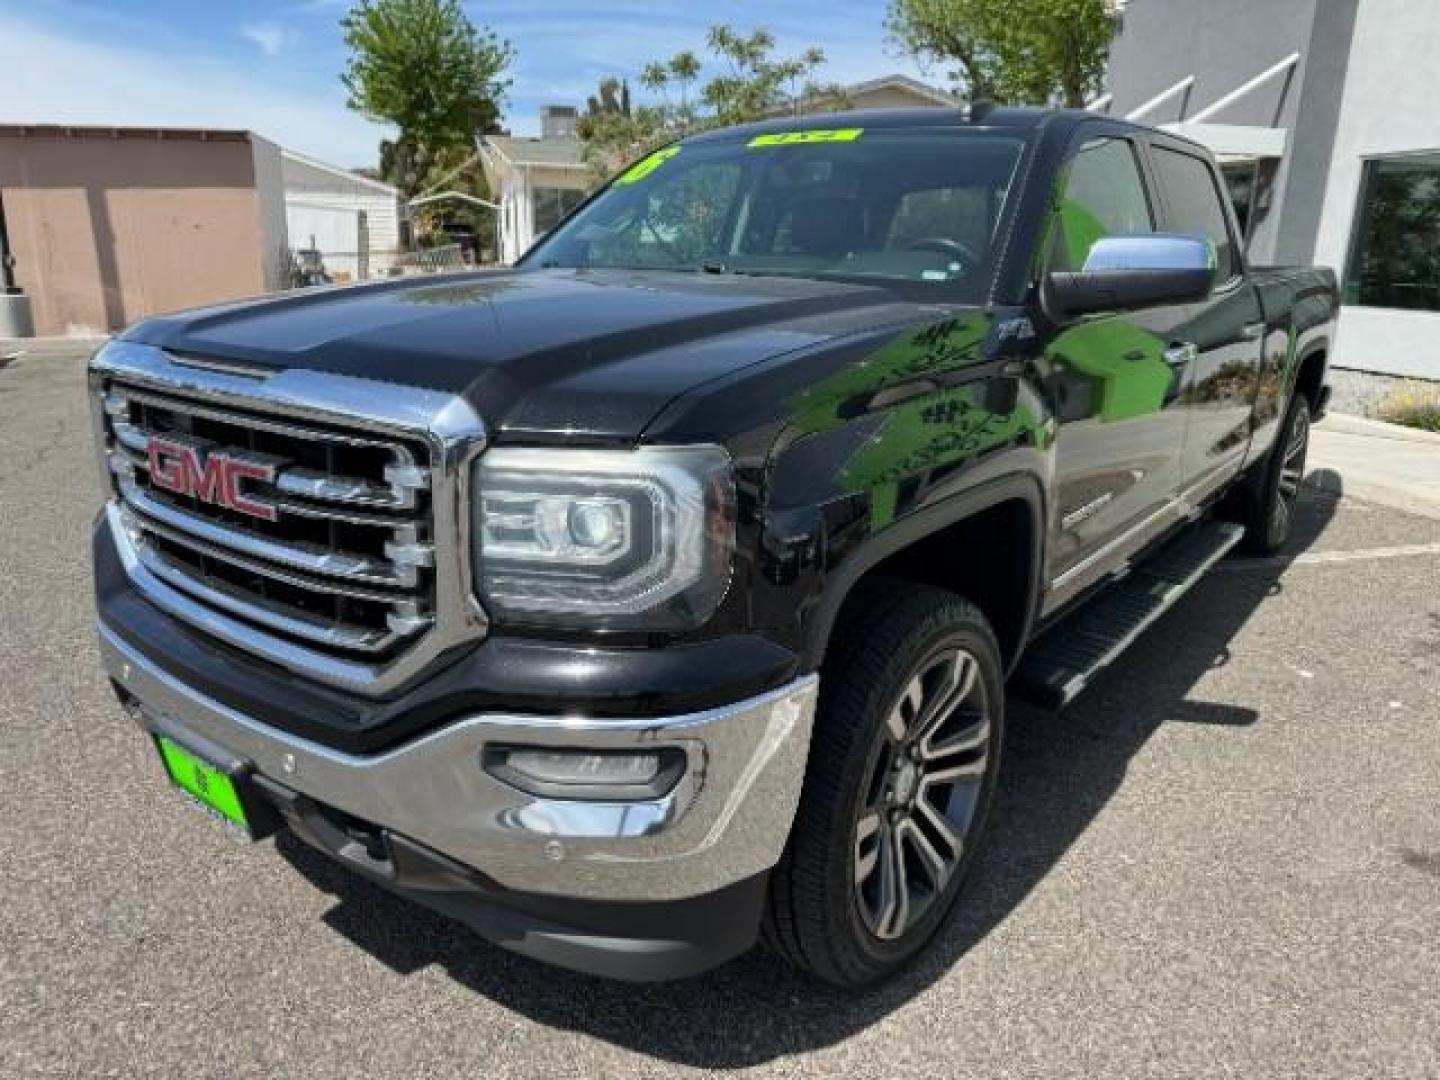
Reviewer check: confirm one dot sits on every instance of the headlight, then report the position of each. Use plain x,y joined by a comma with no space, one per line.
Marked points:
605,539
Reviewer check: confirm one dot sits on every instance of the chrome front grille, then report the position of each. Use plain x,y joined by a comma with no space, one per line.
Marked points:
261,509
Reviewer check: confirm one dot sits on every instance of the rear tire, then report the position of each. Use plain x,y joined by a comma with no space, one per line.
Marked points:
1267,506
902,771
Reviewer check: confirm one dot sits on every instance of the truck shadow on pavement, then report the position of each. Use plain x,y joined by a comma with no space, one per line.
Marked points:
1058,774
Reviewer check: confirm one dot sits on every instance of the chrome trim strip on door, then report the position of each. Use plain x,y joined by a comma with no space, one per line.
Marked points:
1182,505
1078,570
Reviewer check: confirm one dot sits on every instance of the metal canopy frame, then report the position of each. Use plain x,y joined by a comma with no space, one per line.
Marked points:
1229,142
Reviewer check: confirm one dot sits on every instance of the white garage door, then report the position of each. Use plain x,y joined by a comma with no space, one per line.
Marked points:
335,231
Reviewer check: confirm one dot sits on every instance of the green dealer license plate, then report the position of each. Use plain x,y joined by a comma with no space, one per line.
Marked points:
208,785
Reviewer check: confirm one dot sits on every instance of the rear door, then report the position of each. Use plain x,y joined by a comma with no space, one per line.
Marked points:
1114,389
1223,333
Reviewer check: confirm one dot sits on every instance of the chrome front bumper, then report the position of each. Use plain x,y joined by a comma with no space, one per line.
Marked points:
726,819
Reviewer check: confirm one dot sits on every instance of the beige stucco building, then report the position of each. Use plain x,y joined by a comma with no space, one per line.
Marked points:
108,224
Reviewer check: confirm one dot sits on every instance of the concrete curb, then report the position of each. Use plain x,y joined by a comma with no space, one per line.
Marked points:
1394,466
1368,489
1347,424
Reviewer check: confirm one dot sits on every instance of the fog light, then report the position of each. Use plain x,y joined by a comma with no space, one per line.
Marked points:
570,767
586,774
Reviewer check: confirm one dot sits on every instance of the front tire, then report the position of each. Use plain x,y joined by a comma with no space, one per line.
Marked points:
902,771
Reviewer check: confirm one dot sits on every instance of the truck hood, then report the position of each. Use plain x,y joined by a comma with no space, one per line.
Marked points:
539,353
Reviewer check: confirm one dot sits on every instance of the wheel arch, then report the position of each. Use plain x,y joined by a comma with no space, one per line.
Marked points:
1310,373
1013,504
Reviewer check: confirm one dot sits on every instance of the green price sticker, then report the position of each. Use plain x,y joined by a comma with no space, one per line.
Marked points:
647,165
804,138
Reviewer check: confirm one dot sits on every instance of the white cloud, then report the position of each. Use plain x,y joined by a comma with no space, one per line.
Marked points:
271,38
51,77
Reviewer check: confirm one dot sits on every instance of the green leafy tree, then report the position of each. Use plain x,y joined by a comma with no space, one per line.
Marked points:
756,84
1011,51
752,84
684,69
422,66
612,98
613,130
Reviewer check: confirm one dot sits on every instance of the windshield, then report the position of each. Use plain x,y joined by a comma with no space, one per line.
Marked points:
897,204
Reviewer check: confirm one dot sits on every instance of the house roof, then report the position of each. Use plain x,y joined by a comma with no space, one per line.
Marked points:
106,131
550,153
343,174
896,81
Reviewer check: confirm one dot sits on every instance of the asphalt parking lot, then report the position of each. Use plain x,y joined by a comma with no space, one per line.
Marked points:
1223,861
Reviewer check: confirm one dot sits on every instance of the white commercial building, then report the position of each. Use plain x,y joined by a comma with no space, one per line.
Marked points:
1321,113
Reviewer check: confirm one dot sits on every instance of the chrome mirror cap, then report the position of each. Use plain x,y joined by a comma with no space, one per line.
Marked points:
1153,251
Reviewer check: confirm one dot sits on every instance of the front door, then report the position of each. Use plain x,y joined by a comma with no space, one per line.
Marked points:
1115,385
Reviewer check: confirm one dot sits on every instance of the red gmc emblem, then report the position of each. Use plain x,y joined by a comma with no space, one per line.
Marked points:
212,478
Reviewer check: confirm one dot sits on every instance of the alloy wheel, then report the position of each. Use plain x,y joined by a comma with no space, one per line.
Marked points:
922,794
1292,470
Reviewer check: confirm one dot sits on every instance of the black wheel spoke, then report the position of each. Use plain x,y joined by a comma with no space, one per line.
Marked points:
955,680
903,715
971,734
867,846
939,835
892,912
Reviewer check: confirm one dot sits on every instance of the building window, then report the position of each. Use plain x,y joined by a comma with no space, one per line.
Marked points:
552,204
1395,257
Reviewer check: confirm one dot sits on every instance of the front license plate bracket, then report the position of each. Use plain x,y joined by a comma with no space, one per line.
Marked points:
218,781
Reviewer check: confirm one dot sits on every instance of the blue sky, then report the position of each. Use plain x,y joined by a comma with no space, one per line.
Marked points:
272,65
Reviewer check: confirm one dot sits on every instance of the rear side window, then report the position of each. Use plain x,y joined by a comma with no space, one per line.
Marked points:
1193,204
1103,196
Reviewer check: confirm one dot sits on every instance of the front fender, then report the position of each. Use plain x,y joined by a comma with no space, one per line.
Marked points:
836,585
933,426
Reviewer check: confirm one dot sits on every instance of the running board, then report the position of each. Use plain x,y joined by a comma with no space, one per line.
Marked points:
1068,656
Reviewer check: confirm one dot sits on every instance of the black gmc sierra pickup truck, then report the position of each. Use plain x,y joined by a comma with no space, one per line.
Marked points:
665,588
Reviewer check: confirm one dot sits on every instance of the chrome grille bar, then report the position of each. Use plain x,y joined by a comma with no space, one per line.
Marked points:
339,544
349,589
312,560
332,635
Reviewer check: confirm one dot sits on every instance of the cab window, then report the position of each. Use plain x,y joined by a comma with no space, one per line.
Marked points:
1192,204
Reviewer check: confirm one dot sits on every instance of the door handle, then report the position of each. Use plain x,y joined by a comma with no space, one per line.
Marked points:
1253,331
1180,355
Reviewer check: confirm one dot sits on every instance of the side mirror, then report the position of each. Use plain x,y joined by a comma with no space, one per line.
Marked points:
1127,272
